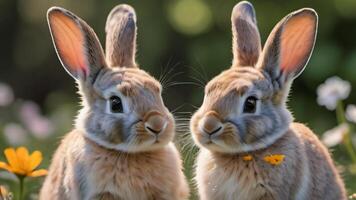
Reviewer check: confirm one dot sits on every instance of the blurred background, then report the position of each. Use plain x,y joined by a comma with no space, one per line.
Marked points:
189,40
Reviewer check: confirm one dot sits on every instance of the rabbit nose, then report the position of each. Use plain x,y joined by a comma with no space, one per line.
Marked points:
211,123
155,122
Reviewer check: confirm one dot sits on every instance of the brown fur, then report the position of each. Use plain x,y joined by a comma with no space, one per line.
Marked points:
112,154
226,132
246,41
119,175
121,36
218,174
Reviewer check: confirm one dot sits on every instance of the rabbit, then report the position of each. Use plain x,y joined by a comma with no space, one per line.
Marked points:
121,146
244,122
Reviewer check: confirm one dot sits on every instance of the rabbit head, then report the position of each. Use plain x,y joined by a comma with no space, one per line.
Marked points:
244,108
122,104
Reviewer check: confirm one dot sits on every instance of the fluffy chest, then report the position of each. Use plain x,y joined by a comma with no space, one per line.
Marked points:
125,180
243,180
124,176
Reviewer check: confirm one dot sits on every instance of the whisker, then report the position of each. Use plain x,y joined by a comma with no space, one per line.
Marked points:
174,111
205,75
199,82
165,75
169,78
201,75
165,69
182,83
194,106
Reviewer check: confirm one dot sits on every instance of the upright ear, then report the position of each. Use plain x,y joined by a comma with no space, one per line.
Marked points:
121,37
290,45
246,40
76,44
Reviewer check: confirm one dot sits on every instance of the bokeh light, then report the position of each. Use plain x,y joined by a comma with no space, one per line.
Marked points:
190,16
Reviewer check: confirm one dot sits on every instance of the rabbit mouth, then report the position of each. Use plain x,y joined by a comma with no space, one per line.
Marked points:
232,139
229,139
138,138
142,137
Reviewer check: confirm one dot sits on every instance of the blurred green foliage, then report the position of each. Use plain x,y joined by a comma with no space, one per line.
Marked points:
190,36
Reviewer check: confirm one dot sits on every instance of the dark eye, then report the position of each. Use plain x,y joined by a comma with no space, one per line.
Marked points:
116,104
250,104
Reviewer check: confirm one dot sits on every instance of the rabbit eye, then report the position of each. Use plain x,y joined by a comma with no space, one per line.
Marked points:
250,105
116,104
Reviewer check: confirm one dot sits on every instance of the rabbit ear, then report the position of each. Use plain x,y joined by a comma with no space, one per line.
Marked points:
290,45
246,37
121,37
76,44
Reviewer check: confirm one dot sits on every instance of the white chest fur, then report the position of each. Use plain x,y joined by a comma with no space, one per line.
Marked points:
128,176
228,181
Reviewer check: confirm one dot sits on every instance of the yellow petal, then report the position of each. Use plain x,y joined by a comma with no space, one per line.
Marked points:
247,158
24,159
5,166
11,157
276,159
40,172
35,160
3,192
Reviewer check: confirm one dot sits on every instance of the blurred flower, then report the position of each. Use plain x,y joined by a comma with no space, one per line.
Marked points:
15,134
335,136
4,193
39,126
21,163
333,90
29,109
353,196
5,175
6,94
351,113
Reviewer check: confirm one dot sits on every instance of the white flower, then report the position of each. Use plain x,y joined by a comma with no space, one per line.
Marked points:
351,113
335,136
40,126
333,90
15,134
6,94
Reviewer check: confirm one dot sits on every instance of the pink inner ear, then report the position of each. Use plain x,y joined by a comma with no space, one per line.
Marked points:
69,41
297,42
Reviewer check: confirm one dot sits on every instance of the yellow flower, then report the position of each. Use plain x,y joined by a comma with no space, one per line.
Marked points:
276,159
247,158
21,163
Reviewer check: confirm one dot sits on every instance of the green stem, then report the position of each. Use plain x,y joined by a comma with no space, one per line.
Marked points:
22,182
340,115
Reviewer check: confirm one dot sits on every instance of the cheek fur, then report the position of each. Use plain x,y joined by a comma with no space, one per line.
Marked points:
231,135
257,127
115,131
106,128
